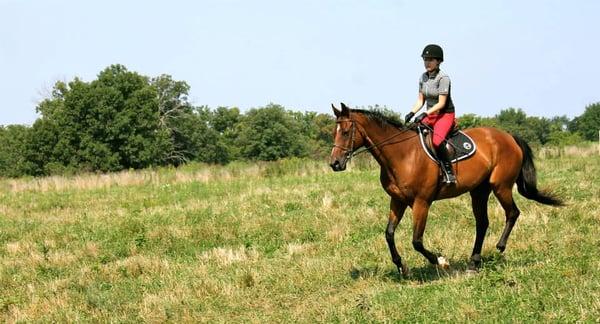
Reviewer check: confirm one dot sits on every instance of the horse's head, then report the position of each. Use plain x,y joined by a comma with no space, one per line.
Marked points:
346,138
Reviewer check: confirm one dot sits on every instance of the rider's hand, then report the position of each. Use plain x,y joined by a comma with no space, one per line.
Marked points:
408,117
419,118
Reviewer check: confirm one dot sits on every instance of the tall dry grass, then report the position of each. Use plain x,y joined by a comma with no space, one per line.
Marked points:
287,241
582,150
194,172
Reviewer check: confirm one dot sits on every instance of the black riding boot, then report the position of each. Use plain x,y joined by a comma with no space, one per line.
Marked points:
444,158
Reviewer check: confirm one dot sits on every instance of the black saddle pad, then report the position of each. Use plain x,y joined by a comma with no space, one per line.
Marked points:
459,144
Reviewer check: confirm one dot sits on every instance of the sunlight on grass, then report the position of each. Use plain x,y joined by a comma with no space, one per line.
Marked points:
288,240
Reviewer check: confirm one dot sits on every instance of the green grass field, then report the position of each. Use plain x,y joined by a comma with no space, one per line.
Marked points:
287,241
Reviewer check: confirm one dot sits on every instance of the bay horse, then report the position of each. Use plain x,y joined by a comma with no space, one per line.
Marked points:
412,179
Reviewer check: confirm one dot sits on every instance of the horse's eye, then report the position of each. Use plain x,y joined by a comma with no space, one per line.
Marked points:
345,133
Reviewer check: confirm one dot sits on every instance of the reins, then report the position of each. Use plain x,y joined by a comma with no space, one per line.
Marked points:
385,141
350,153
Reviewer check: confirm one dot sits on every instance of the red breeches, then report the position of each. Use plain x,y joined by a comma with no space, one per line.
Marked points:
442,124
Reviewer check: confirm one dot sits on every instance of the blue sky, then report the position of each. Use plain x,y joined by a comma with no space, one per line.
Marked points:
536,55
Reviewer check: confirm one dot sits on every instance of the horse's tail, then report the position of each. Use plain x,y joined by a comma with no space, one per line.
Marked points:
527,180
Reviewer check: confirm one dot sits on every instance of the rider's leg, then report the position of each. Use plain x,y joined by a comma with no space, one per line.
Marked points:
441,128
445,164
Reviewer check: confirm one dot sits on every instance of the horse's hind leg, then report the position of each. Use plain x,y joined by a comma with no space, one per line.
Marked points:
504,195
397,209
420,210
479,202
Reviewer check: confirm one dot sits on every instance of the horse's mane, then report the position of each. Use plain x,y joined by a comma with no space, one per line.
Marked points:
384,118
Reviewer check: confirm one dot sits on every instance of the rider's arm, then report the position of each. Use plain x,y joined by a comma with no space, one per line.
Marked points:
438,106
420,101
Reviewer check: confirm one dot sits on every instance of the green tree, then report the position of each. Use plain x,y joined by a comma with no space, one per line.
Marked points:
588,124
541,128
40,151
469,121
317,132
175,114
120,120
562,138
270,133
13,142
224,119
204,141
515,121
559,133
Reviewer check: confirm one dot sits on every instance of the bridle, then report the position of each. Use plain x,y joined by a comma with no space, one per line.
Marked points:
350,153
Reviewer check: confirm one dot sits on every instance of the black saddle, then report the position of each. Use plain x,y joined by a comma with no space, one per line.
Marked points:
459,145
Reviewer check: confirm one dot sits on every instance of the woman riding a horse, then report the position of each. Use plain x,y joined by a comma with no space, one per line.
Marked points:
411,178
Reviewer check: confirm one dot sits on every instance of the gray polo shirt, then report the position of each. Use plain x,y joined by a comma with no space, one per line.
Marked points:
433,86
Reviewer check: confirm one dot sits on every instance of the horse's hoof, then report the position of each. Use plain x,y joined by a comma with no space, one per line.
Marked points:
442,263
473,267
404,272
501,248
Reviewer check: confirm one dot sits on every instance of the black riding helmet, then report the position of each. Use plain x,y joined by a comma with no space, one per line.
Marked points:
433,51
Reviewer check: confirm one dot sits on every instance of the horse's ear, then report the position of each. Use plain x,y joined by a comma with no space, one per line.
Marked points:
345,109
336,112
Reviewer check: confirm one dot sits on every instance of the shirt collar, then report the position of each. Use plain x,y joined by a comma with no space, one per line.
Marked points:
433,74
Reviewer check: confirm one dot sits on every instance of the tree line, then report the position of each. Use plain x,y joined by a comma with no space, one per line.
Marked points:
124,120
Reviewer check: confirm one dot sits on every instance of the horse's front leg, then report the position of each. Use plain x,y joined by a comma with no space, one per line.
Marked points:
397,209
420,210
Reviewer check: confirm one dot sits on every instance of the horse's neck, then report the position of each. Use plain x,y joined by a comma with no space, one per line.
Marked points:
390,146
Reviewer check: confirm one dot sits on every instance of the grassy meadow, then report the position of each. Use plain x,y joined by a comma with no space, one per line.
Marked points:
287,241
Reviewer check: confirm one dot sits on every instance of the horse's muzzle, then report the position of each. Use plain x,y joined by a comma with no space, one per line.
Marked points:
337,165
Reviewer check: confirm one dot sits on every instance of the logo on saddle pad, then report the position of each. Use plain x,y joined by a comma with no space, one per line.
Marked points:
460,145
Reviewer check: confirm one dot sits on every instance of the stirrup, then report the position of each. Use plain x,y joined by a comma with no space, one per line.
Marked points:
449,178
